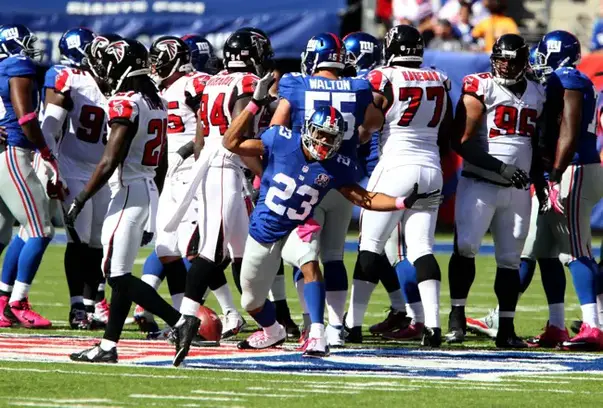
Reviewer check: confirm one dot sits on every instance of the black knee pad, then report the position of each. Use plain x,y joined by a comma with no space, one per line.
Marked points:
427,268
366,268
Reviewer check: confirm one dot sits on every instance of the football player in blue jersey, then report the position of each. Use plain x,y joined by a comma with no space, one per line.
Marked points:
321,84
363,54
22,194
203,56
574,174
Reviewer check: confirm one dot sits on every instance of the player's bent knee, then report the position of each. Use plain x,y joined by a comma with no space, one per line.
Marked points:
331,255
466,249
249,302
367,262
508,261
371,245
415,252
427,268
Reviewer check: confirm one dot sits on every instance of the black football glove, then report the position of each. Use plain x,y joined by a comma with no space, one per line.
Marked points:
147,237
429,200
74,209
518,178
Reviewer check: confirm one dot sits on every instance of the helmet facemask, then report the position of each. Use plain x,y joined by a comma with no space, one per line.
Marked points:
509,67
322,142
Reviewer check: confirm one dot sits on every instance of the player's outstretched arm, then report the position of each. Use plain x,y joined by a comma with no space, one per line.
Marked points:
282,114
569,131
235,141
383,202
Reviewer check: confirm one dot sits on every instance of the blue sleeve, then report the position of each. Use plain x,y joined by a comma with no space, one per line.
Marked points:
50,77
570,78
364,94
19,66
346,172
287,86
268,137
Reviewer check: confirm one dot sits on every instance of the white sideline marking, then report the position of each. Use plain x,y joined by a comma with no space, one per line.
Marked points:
246,394
320,391
55,405
184,397
93,373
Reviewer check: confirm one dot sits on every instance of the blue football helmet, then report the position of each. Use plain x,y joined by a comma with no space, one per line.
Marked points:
363,50
73,46
203,57
323,132
324,50
557,49
16,39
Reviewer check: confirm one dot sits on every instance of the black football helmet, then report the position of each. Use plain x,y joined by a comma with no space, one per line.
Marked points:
121,59
402,44
509,59
93,52
168,55
246,49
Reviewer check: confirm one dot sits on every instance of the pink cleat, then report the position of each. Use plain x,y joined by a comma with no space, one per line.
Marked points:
4,321
21,313
101,311
413,332
551,337
588,339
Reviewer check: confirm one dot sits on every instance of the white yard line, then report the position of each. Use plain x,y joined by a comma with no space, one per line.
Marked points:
184,397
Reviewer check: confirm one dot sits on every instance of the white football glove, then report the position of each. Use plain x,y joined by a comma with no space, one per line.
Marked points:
261,94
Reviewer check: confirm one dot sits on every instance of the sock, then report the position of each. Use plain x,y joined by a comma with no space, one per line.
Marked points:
430,295
177,300
415,312
189,307
153,281
93,275
266,317
397,301
317,330
283,314
107,345
306,319
361,294
198,278
11,261
20,291
299,286
74,300
75,268
461,274
236,273
89,305
100,294
224,297
527,267
557,315
30,258
118,311
589,314
506,287
336,287
584,280
273,329
153,266
175,273
314,293
387,274
407,276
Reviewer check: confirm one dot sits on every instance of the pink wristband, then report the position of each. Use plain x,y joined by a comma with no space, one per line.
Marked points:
400,203
257,182
27,117
252,108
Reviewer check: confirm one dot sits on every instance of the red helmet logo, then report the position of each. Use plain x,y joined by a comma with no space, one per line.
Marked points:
118,49
170,47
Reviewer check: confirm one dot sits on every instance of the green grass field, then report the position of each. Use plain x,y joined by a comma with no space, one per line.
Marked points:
433,379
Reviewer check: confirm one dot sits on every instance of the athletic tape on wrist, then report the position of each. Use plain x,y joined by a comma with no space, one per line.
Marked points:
252,108
27,117
400,203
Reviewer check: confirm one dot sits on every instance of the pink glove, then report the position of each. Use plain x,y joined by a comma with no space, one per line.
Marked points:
555,197
306,230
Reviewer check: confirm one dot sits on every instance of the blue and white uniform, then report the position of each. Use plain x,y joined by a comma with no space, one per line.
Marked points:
20,190
291,190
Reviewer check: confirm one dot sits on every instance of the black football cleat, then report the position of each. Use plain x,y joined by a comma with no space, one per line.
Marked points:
95,355
183,335
432,337
291,327
395,320
199,341
455,336
457,325
509,341
78,318
353,334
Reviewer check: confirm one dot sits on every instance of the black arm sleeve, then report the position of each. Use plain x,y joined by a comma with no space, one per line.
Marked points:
474,154
187,150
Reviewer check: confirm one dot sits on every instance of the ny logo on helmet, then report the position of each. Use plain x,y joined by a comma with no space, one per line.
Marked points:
312,45
117,49
73,41
11,33
170,47
553,46
367,46
203,47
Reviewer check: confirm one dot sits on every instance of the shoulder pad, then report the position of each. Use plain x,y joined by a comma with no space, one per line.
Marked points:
18,66
377,79
122,107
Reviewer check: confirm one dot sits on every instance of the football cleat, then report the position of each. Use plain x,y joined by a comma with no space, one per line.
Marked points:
291,327
588,339
95,355
145,320
457,326
262,340
550,338
413,332
432,337
509,341
4,321
163,334
487,325
353,334
78,318
232,324
182,336
455,336
316,347
101,311
20,312
395,320
335,336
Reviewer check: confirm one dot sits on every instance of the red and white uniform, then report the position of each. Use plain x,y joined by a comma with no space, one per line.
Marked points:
80,148
409,155
223,218
182,124
484,199
134,195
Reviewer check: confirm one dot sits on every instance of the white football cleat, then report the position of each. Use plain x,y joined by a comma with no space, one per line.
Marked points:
232,324
316,347
487,325
335,337
262,340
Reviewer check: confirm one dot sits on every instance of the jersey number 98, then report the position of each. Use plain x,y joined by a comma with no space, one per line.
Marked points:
286,194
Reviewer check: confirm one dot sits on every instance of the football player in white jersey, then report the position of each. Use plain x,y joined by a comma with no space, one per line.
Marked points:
493,192
181,88
137,119
223,217
417,111
75,121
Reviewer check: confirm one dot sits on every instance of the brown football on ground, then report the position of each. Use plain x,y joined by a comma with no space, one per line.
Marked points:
211,325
